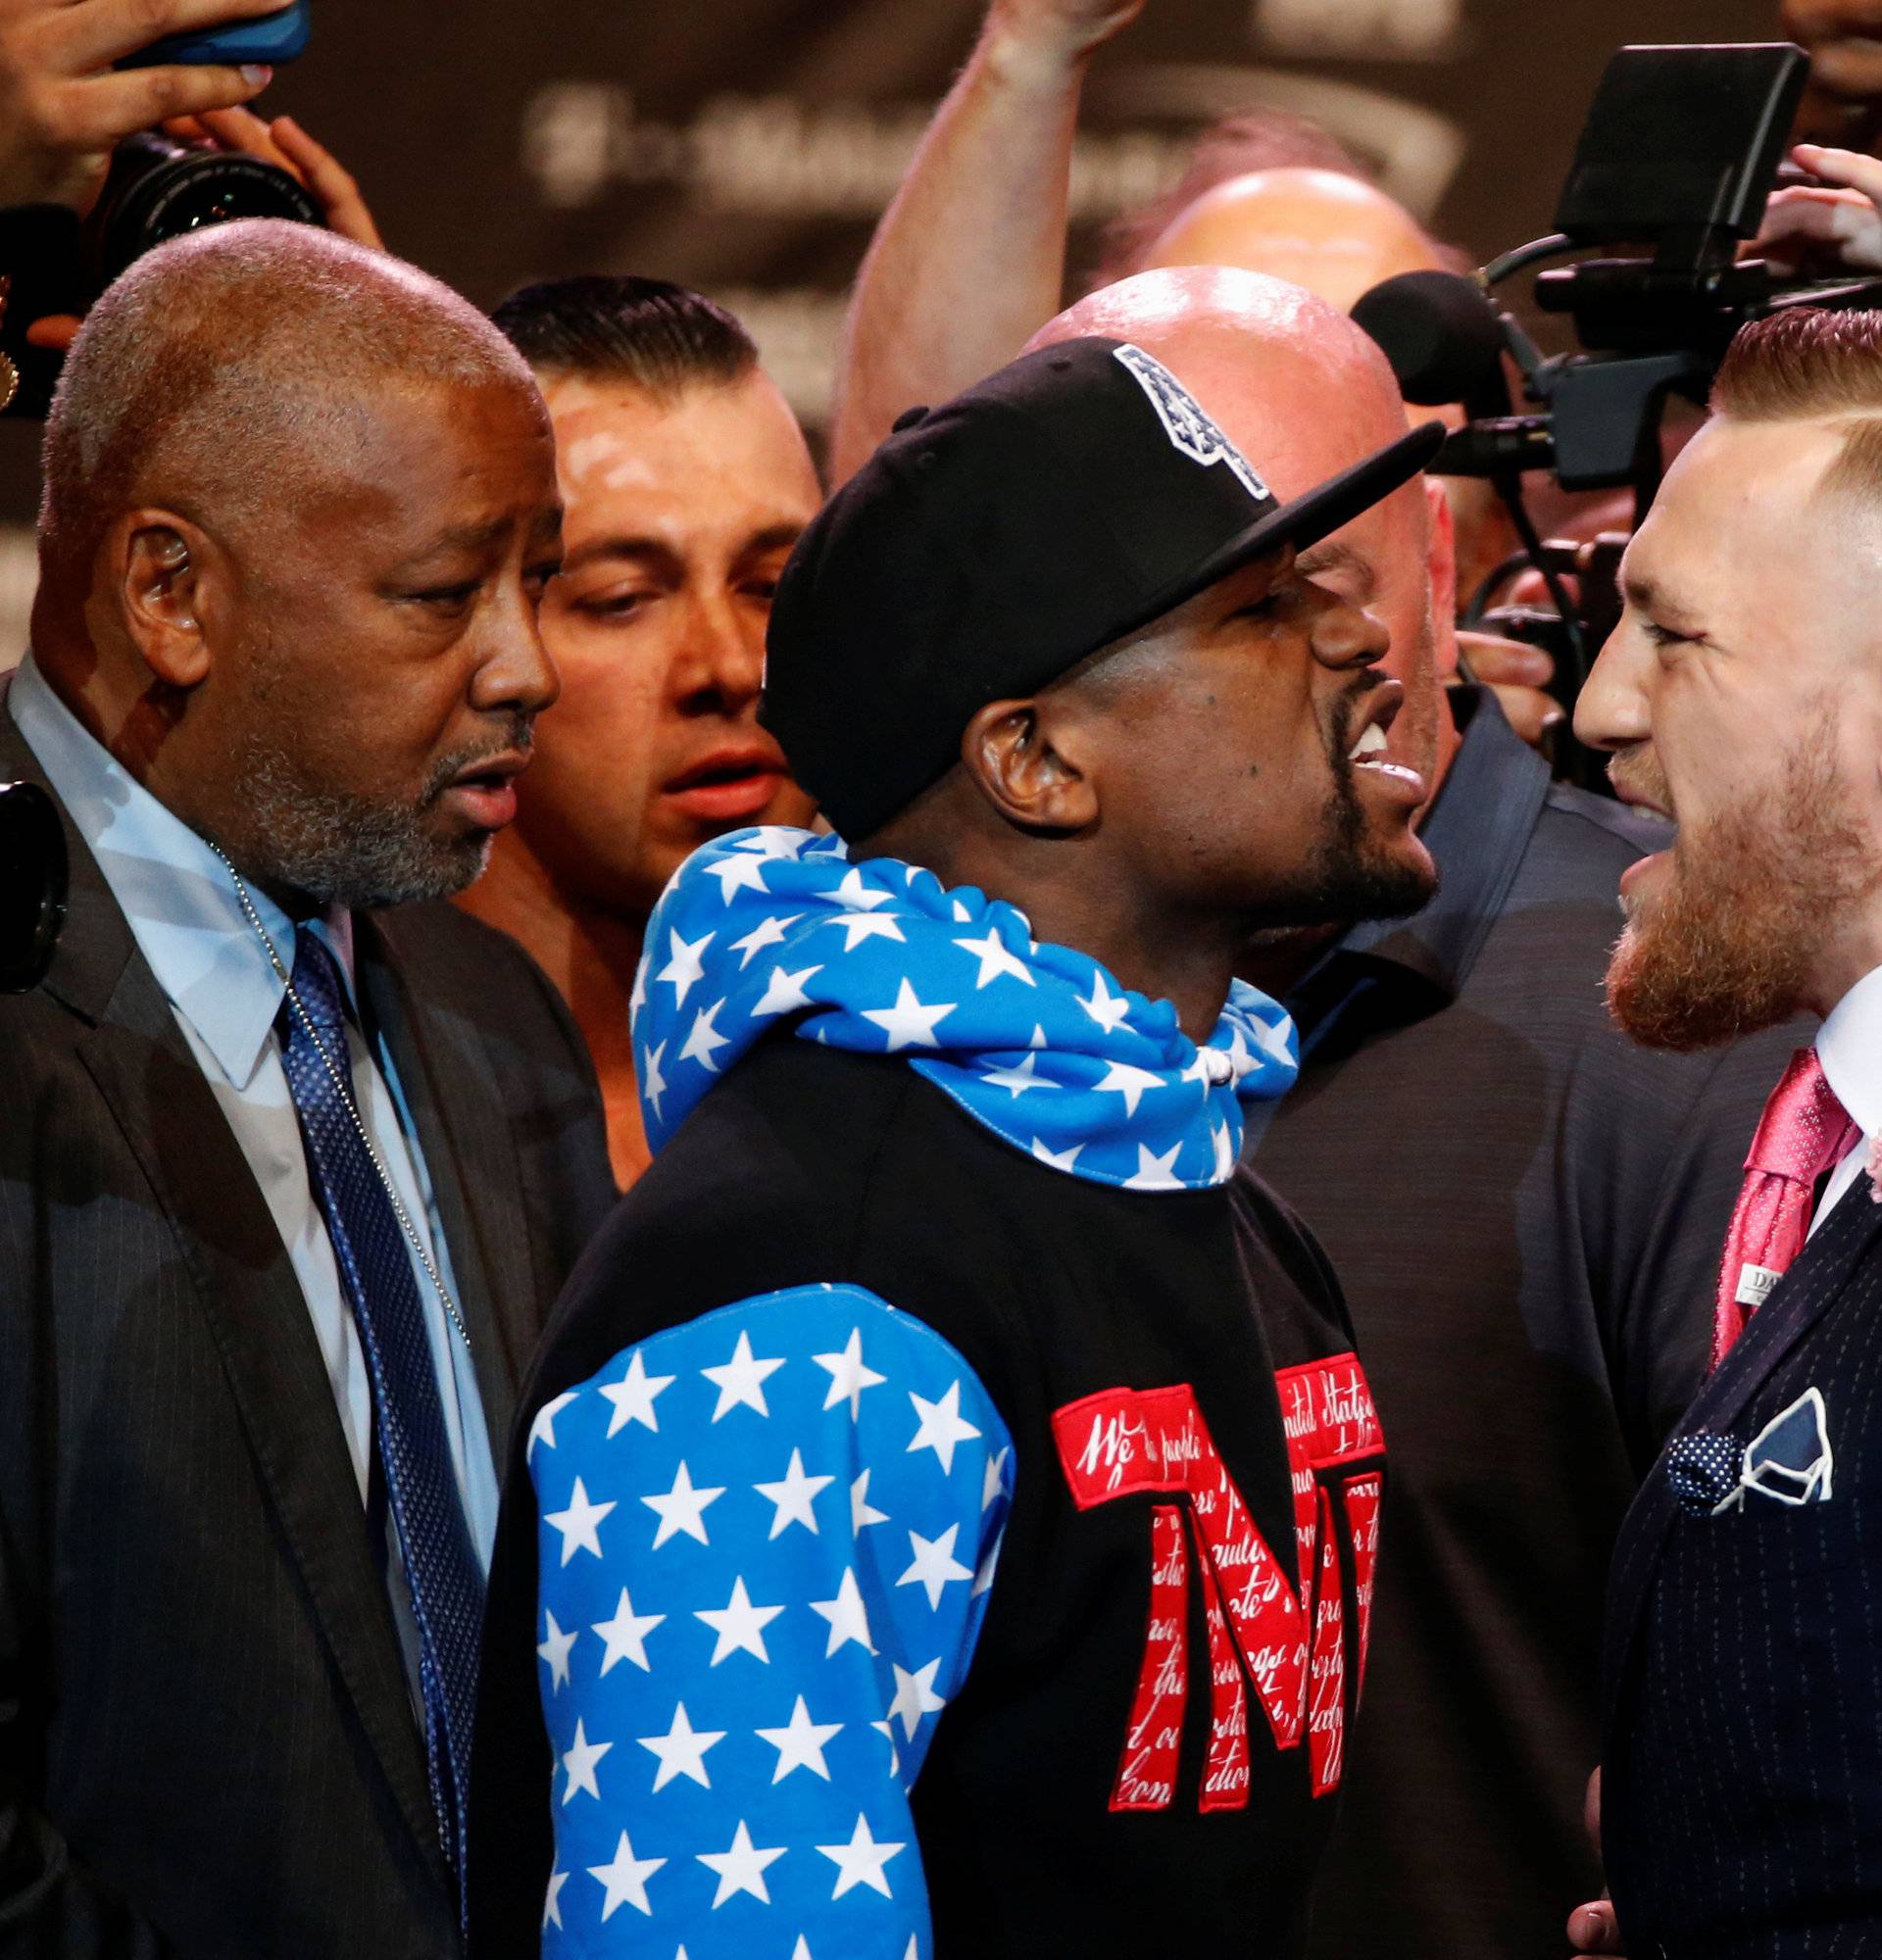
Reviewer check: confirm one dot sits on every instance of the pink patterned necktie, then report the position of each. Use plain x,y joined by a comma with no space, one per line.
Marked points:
1803,1132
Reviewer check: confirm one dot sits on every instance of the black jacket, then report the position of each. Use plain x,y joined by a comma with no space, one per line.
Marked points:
206,1743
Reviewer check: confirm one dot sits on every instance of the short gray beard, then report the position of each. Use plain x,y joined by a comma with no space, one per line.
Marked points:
1725,950
345,851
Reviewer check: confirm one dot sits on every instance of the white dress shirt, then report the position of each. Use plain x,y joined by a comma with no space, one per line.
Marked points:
181,906
1848,1045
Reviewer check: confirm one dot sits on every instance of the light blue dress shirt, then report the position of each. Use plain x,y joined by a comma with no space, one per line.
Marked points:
181,906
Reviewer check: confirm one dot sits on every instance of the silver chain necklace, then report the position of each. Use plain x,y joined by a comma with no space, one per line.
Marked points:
343,1087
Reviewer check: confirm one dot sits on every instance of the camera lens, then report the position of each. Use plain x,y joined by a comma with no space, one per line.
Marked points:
32,885
159,190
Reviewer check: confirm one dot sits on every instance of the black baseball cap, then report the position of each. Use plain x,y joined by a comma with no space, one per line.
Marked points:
991,544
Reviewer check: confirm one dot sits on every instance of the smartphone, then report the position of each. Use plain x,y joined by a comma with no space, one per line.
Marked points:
272,41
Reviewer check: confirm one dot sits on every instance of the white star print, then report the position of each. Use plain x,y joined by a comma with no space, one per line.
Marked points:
849,1374
1200,1069
552,1905
681,1750
635,1395
995,1480
862,1512
1104,1006
1122,1079
895,1755
793,1496
942,1426
1018,1080
769,931
682,1509
908,1023
555,1650
627,1633
848,1616
543,1429
915,1696
686,968
705,1040
935,1564
637,999
859,1862
625,1879
784,993
1272,1041
995,959
1224,1153
653,1083
799,1743
984,1577
737,871
856,896
739,1624
858,926
740,1869
740,1382
580,1523
1156,1173
580,1763
1058,1159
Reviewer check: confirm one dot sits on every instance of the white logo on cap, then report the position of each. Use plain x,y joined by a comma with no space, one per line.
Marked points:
1185,423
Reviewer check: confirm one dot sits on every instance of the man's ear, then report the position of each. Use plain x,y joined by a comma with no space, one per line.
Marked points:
1011,755
1441,562
161,570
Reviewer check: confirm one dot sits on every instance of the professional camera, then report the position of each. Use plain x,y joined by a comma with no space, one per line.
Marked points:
32,885
1679,155
157,189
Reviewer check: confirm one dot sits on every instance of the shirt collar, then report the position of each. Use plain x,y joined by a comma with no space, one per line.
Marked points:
175,893
1477,832
1848,1045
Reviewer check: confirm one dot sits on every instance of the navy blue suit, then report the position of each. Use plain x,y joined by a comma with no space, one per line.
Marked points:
1742,1753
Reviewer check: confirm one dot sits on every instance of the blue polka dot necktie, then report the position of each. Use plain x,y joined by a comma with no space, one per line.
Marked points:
374,1261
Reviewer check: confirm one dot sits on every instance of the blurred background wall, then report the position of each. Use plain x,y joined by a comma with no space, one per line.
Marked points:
746,146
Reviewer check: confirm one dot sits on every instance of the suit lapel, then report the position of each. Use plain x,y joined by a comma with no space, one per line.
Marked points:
1814,1283
142,1067
468,1147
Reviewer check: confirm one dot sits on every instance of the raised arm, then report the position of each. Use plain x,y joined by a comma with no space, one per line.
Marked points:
969,259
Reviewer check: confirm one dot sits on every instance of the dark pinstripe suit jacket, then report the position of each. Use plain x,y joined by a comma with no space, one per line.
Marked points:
207,1745
1742,1785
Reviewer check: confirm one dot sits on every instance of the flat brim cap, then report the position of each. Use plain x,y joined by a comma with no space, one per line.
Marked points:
990,545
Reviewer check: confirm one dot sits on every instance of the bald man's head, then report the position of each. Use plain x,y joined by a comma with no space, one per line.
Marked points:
1304,394
239,368
1335,234
300,506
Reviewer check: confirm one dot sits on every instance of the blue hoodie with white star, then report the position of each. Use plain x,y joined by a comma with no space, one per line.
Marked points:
766,1536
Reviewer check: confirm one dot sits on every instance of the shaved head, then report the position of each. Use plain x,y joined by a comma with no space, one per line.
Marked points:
1332,233
226,364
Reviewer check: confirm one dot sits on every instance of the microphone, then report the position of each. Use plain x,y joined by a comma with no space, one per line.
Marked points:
1443,337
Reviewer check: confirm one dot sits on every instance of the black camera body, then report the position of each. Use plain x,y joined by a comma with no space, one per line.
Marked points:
34,875
157,189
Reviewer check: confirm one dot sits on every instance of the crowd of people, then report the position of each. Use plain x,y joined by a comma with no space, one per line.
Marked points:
761,1213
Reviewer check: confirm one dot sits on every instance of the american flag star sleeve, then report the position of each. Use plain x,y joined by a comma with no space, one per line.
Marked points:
767,1540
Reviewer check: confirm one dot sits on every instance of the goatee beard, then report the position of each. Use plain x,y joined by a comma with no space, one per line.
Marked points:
1725,948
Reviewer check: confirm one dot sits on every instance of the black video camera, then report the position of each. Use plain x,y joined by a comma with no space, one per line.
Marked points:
157,189
1679,155
32,885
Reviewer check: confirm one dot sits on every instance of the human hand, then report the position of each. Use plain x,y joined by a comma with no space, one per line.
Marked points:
1838,223
1062,29
62,106
1593,1927
285,144
1518,675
